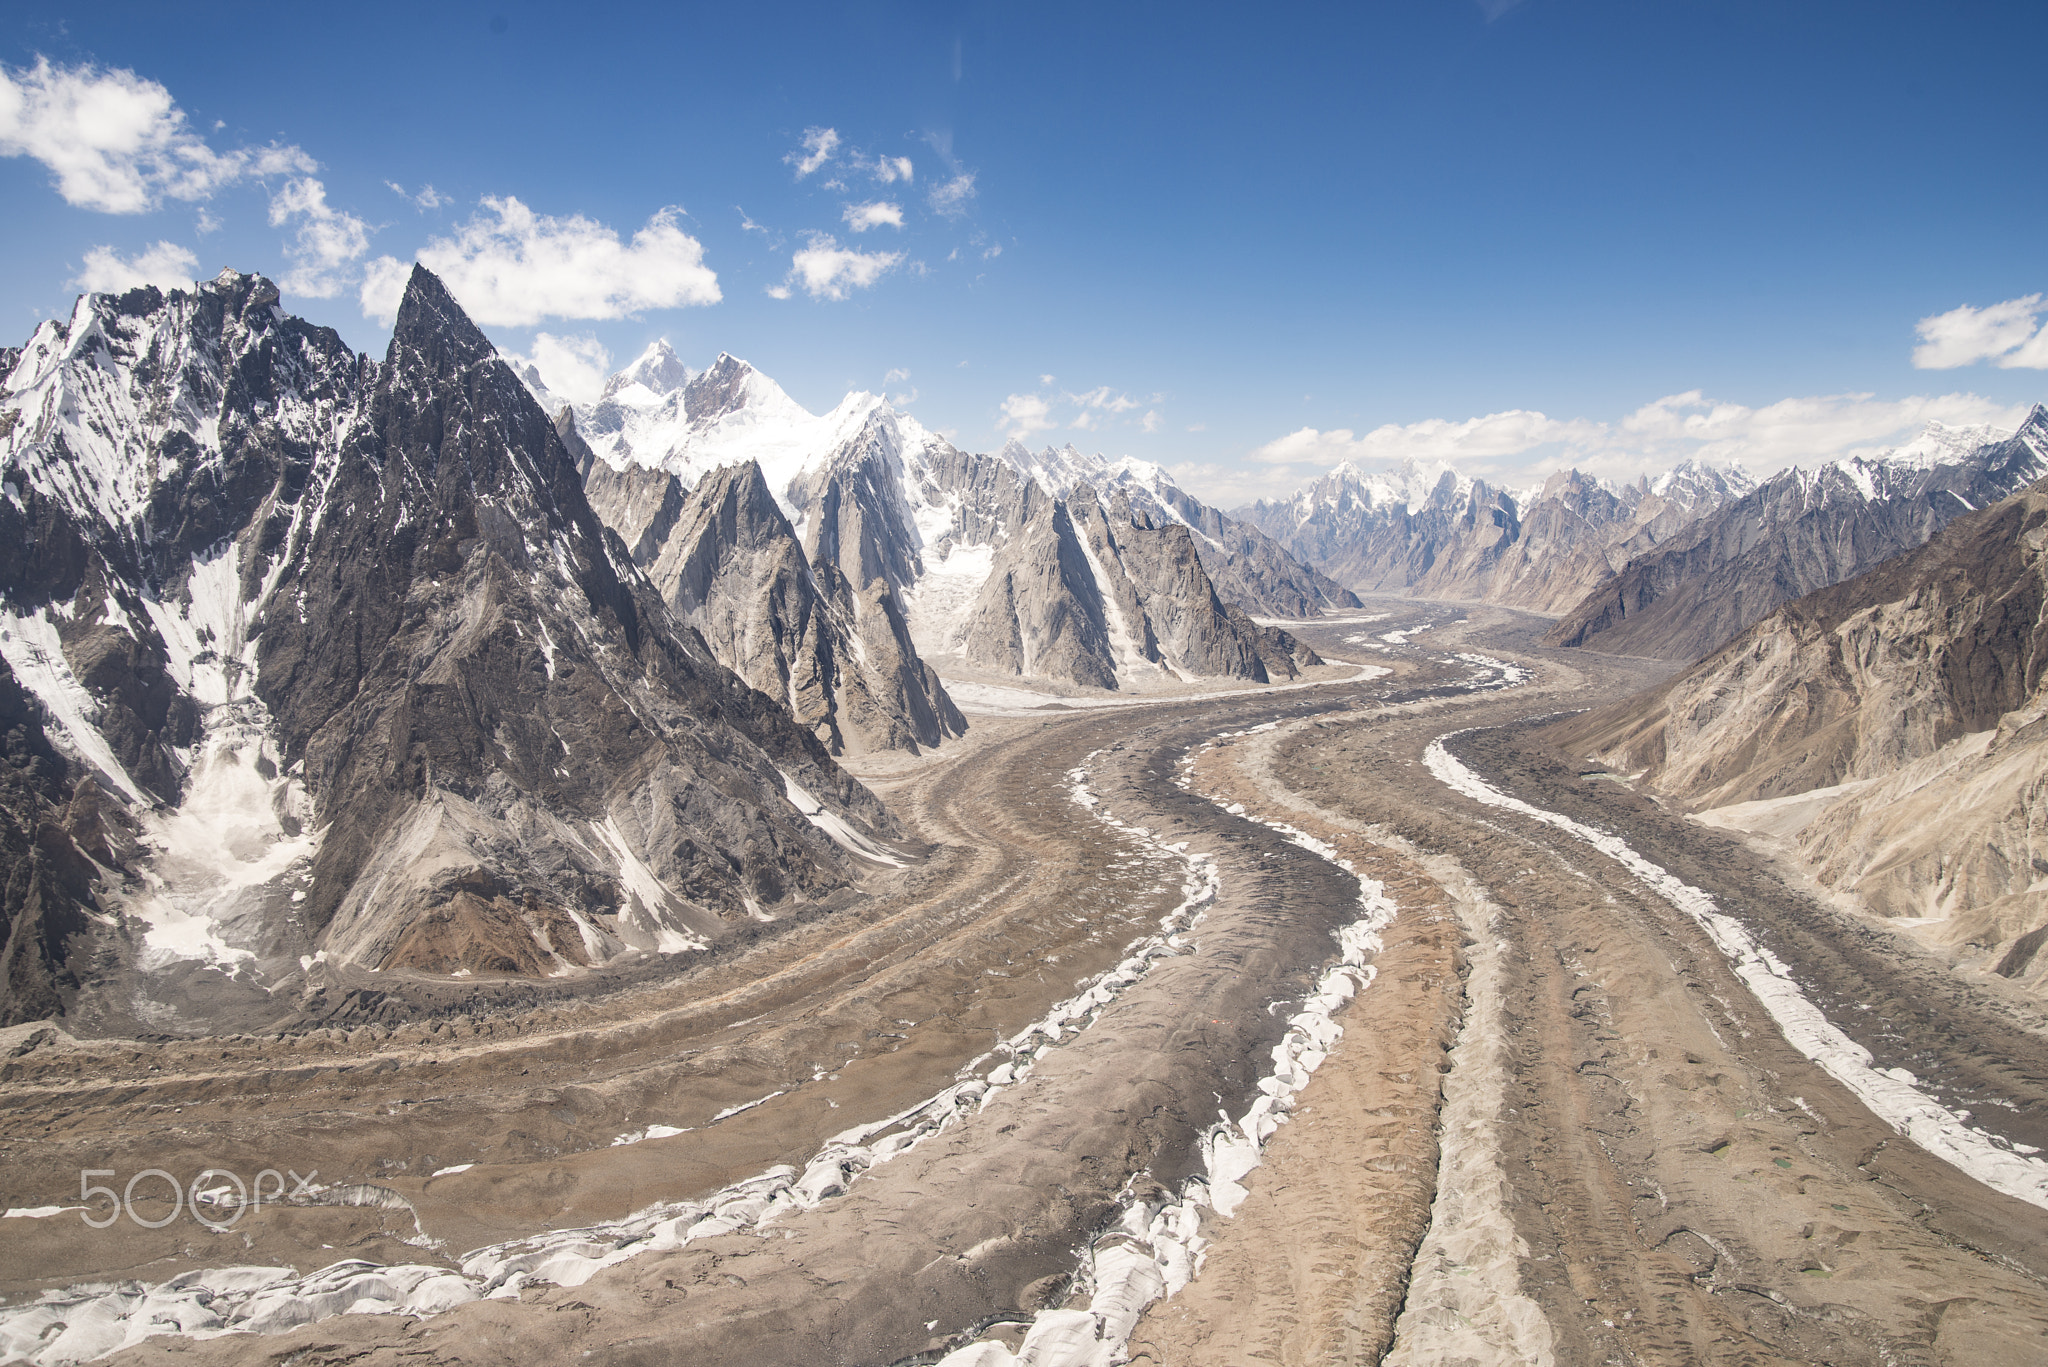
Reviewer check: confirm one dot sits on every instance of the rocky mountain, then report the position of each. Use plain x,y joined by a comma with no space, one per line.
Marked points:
1012,564
1428,531
1248,568
1800,531
1891,729
840,658
319,665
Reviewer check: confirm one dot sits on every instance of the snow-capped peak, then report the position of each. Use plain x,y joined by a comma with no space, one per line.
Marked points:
657,368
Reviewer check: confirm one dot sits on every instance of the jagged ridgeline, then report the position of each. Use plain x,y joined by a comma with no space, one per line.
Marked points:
831,559
312,665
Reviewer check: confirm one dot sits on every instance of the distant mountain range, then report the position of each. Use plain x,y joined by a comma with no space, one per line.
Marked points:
1671,567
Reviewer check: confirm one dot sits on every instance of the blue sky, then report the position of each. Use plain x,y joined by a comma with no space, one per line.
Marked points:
1242,241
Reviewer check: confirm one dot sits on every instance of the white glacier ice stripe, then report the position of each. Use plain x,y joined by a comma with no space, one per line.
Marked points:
451,1171
832,824
1891,1099
1465,1306
1001,701
744,1106
198,1304
1154,1248
36,1212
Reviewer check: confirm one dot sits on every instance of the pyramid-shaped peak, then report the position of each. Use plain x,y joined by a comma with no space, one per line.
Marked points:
432,324
658,368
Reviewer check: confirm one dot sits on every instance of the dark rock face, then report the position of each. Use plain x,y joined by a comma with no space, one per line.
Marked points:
50,833
1797,533
363,616
426,665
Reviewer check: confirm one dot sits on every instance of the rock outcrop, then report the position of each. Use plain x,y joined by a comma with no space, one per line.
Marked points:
841,661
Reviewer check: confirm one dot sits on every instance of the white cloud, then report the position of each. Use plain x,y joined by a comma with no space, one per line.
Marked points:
429,198
1493,436
1024,414
1521,444
951,198
1101,397
329,241
819,145
888,170
511,267
118,143
895,374
164,264
207,223
2003,332
1152,422
827,270
861,217
574,367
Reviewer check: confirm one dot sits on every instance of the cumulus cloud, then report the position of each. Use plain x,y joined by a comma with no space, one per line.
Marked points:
427,198
952,197
896,373
2003,333
826,270
164,264
1523,444
1495,435
888,170
328,241
1102,397
511,267
574,367
861,217
1086,411
117,143
818,147
1024,414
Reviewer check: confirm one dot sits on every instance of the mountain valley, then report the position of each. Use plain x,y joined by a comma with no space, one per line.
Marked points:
685,876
